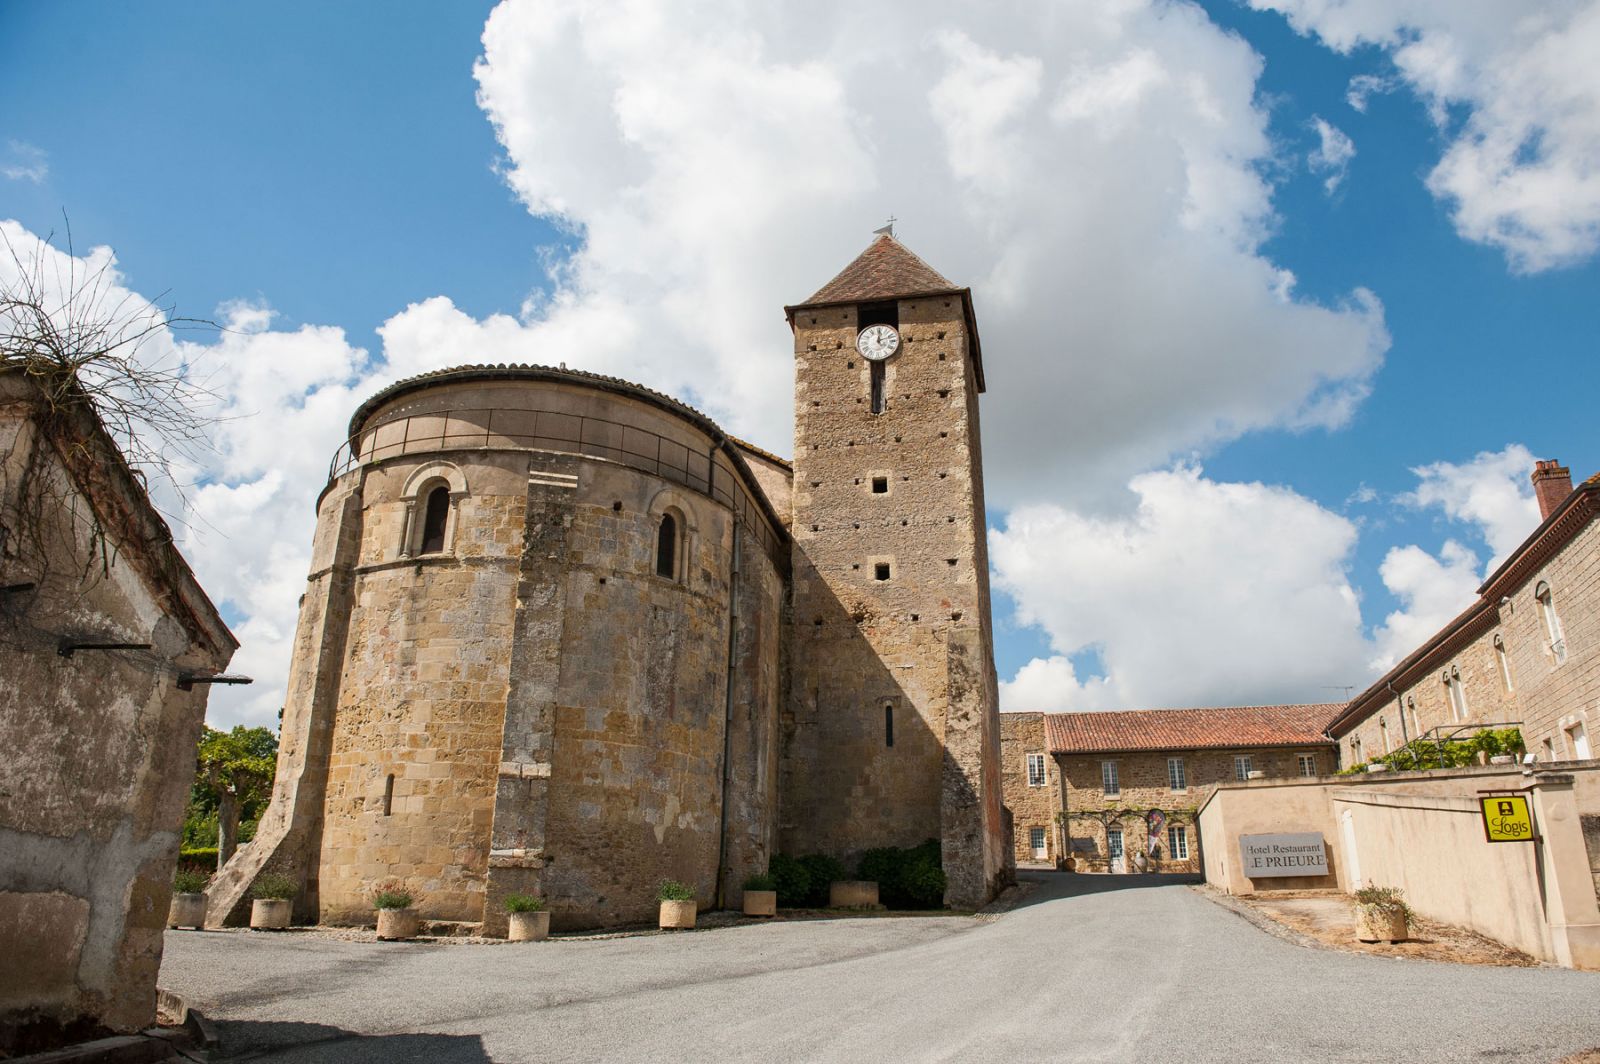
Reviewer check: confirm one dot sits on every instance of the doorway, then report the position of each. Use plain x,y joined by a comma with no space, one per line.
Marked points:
1036,842
1114,850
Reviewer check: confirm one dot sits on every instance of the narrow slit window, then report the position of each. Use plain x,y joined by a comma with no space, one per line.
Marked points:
667,547
388,795
877,387
888,724
435,516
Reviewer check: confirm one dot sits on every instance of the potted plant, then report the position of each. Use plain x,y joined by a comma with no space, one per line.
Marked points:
677,904
529,920
188,907
1381,914
397,920
761,896
272,903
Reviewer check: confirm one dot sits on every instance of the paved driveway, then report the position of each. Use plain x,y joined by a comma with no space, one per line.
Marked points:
1095,968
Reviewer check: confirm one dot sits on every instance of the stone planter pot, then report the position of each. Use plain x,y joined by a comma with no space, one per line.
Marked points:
678,914
761,903
270,914
1502,759
187,910
397,925
528,927
1380,925
1378,766
852,894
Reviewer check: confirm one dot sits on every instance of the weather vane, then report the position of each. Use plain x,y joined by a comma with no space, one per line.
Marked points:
887,230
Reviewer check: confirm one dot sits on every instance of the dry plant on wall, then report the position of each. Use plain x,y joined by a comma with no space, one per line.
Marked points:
104,364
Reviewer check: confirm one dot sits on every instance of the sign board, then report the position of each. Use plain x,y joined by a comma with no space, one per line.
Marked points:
1296,854
1506,818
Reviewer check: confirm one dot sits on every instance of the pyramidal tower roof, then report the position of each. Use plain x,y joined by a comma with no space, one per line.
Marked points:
885,270
888,269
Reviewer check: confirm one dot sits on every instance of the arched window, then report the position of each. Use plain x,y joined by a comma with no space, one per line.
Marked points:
1416,722
435,517
1552,623
1383,733
1455,693
1503,660
667,548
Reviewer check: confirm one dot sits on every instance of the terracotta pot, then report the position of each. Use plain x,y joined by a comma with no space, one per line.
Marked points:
852,894
187,910
529,927
761,903
270,914
397,925
1380,925
678,914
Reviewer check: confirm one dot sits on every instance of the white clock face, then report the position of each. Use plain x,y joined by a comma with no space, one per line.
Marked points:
877,342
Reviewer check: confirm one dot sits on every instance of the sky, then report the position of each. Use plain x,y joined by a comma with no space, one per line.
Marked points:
1280,299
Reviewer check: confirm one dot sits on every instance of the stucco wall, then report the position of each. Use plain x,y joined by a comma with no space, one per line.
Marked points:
99,747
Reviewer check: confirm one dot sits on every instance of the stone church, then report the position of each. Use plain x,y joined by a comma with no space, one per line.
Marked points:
563,635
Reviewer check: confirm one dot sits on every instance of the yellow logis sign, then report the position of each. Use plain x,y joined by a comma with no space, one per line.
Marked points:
1506,818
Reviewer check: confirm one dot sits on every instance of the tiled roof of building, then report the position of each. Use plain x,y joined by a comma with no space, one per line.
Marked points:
1227,727
886,270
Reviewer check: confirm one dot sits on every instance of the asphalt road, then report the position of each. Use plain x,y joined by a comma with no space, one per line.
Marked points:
1092,968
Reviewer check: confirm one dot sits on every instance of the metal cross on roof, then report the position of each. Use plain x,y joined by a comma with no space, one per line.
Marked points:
887,230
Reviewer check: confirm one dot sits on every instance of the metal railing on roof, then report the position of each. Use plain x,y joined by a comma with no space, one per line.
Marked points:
708,473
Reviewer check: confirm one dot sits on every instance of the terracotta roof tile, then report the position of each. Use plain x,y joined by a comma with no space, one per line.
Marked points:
1189,729
885,270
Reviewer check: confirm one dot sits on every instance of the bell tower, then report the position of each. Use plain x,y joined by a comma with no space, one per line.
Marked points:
891,735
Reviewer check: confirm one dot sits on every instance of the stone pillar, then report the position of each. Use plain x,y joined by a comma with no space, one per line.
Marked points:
289,836
1571,911
517,838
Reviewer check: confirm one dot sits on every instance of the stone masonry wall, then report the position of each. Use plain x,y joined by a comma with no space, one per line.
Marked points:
865,650
1145,785
1548,696
1032,807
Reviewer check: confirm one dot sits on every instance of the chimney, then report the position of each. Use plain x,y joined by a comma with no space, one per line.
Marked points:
1552,483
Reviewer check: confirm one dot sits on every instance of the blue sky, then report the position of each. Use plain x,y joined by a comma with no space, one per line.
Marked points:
334,164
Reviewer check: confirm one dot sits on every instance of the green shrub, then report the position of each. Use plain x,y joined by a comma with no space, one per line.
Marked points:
198,855
761,882
910,878
189,881
391,899
821,870
672,890
273,886
523,903
790,879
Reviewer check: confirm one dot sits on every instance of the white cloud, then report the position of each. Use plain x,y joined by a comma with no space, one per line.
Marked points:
1094,172
1207,594
1431,590
1363,87
1332,154
1492,492
1522,171
25,162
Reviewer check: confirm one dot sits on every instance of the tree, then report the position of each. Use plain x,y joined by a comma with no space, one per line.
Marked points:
235,774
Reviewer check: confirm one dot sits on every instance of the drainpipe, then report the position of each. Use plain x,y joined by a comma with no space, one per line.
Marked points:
727,709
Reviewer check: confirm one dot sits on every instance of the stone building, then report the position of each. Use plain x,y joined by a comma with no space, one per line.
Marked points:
563,635
1106,788
103,633
1525,653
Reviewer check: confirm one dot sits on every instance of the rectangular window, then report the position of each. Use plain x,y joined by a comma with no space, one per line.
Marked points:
1178,843
1241,767
880,571
1108,779
1308,764
1036,841
1036,770
1176,778
1578,742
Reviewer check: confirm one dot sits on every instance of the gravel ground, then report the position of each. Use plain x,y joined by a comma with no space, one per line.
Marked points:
1090,968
